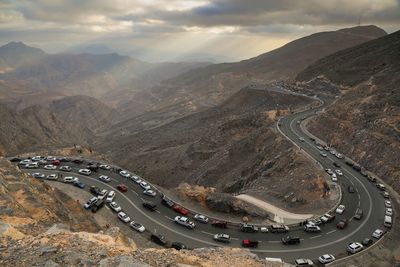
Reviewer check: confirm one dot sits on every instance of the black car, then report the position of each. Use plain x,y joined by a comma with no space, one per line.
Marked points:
98,205
357,167
350,188
93,168
367,242
337,165
220,224
64,159
150,206
15,160
247,228
364,173
95,190
167,202
178,245
290,240
158,239
77,161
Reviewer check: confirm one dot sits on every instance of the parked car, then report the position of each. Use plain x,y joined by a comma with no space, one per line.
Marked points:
342,223
367,242
98,205
104,178
334,178
145,185
24,162
388,204
359,214
290,240
167,202
85,171
339,172
115,207
381,187
326,258
110,196
264,229
65,168
125,174
90,203
339,156
357,167
386,194
38,175
220,224
327,218
180,209
279,228
354,247
249,243
222,238
70,179
124,217
103,193
56,162
389,212
363,172
77,161
50,167
303,262
15,159
150,193
323,154
52,176
311,228
79,184
122,187
178,245
340,209
150,206
200,218
248,228
349,162
95,190
184,221
158,239
104,167
378,233
337,165
137,226
329,171
32,165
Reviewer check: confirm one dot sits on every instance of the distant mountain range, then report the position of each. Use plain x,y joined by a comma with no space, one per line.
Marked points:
16,54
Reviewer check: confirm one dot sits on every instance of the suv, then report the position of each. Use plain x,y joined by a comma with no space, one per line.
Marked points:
354,247
95,190
276,228
167,202
304,262
158,239
90,202
150,206
85,171
222,238
312,228
70,179
244,227
289,240
98,205
359,214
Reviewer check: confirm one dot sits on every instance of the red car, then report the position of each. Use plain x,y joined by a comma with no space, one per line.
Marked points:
56,162
249,244
342,224
122,187
77,161
180,209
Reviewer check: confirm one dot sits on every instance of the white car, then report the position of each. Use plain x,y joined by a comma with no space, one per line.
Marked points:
70,179
104,167
32,165
304,262
339,156
264,229
354,247
200,218
138,181
125,174
134,178
90,202
65,168
52,176
340,209
320,147
184,221
389,212
339,172
105,178
329,171
323,154
110,196
334,178
388,204
145,185
50,167
50,158
102,194
85,171
327,258
124,217
377,233
150,192
37,158
137,226
38,175
115,207
24,162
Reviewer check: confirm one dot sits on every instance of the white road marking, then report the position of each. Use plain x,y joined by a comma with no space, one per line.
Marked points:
158,211
168,218
134,192
351,182
204,232
142,199
274,241
330,232
315,236
234,238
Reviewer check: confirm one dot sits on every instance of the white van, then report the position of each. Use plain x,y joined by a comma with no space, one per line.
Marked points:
388,221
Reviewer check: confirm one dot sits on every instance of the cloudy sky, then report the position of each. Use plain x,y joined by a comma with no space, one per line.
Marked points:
159,30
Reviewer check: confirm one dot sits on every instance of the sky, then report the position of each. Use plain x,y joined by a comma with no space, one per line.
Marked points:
178,30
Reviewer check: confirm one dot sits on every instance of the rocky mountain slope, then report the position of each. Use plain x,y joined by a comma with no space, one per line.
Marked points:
42,226
364,122
209,86
36,128
233,147
15,54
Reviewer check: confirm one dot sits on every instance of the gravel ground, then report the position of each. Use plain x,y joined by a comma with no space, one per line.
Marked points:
104,216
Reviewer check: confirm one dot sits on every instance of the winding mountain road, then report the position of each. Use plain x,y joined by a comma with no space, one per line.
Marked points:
330,240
